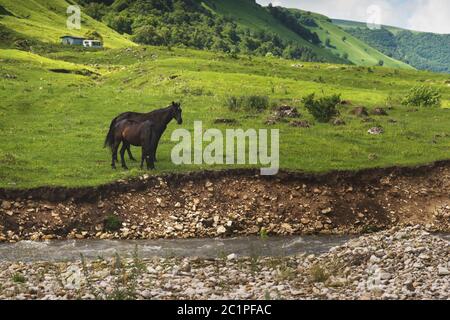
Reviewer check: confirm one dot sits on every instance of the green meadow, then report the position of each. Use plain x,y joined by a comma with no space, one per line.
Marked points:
52,125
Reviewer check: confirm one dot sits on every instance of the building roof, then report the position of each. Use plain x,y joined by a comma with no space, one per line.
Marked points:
72,37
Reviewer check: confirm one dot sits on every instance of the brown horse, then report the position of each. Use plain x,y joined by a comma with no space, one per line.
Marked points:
160,119
134,133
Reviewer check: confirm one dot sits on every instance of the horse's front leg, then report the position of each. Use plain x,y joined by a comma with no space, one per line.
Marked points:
150,155
155,148
122,155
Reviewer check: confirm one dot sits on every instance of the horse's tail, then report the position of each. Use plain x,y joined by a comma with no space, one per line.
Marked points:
109,141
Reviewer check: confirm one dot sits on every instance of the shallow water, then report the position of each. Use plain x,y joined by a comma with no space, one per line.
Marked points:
70,250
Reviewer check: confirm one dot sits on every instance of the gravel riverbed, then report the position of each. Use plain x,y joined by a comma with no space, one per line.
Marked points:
400,263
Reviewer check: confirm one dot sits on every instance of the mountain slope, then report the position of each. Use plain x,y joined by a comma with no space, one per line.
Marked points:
425,51
46,21
251,15
344,43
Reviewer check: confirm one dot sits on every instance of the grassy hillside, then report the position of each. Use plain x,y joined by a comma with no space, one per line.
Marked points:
45,20
424,51
341,42
52,125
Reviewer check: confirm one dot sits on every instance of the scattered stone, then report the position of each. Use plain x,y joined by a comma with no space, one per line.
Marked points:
379,112
300,124
221,230
226,121
338,122
376,131
6,205
360,112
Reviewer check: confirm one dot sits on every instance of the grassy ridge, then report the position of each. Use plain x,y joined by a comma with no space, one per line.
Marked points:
358,52
46,21
52,125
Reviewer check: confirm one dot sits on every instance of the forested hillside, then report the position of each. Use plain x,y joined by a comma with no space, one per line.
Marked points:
424,51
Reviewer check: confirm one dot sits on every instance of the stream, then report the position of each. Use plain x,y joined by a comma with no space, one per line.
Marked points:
70,250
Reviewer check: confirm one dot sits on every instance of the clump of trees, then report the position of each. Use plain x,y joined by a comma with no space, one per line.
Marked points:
295,21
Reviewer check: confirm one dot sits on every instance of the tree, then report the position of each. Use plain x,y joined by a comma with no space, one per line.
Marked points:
147,35
93,35
121,23
328,42
381,63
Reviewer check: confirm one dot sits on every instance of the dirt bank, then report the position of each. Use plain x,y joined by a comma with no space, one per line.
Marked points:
237,202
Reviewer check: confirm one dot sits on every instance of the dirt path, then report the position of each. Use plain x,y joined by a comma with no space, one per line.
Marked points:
228,203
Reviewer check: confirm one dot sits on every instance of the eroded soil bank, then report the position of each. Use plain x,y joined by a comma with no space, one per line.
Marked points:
229,203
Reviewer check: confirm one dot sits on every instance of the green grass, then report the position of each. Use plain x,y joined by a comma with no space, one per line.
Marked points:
45,20
52,125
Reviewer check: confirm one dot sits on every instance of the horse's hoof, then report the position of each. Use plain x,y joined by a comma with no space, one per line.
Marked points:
125,168
113,167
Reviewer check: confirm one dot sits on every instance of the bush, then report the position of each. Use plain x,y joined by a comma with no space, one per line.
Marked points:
112,223
249,103
423,96
323,109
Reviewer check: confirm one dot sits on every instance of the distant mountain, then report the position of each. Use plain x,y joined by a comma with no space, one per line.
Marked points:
424,51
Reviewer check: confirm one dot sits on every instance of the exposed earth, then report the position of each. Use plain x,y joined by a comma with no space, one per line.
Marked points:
232,203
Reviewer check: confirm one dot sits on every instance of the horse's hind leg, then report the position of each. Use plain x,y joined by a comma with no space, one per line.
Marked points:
114,153
122,155
129,154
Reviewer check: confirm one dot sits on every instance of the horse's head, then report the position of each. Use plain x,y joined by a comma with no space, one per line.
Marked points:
176,108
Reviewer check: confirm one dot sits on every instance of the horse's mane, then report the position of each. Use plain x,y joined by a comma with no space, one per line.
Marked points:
159,110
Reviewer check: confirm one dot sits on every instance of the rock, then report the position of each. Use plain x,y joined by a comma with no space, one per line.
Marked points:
286,112
6,205
232,256
305,221
360,112
442,271
287,227
327,211
178,227
375,131
379,112
225,121
300,124
338,122
221,230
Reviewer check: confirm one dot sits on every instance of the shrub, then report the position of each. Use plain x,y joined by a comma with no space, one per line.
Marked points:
322,109
249,103
423,96
318,274
112,223
19,278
